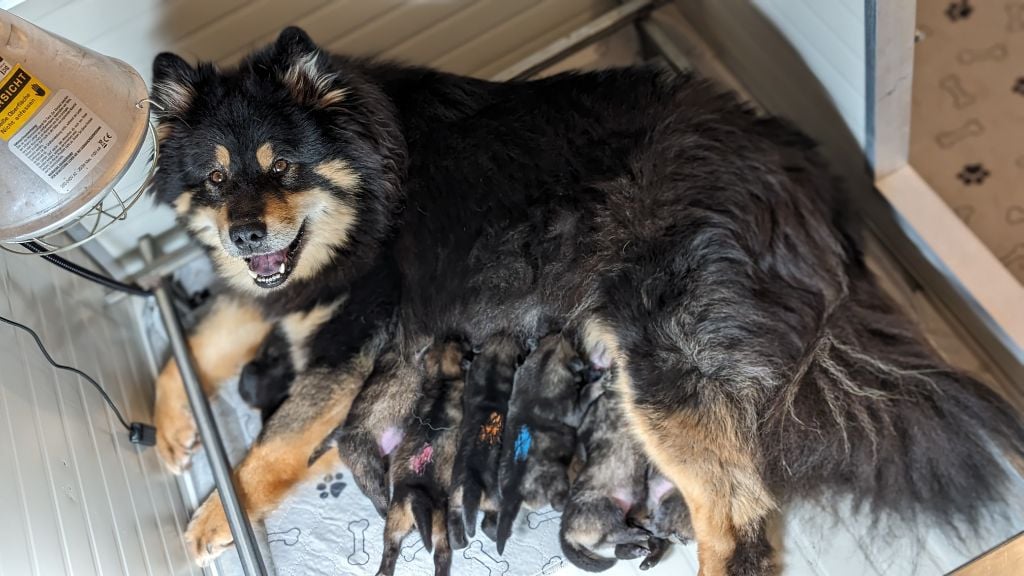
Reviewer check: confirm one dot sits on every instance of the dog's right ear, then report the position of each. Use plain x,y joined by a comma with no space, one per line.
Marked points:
174,85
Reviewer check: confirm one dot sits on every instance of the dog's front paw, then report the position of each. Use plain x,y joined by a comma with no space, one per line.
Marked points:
176,436
208,533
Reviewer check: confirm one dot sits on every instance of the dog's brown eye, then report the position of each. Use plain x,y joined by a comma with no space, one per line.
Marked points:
280,165
216,176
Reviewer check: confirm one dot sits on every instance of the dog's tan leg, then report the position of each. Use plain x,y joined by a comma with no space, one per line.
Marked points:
702,450
728,501
279,460
224,341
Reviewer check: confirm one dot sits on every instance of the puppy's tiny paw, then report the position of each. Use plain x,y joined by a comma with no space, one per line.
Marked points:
208,534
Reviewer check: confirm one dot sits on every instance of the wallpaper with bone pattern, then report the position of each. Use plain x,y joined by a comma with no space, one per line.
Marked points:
967,130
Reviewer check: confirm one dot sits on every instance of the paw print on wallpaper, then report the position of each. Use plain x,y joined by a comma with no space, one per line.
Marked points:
331,486
959,10
973,174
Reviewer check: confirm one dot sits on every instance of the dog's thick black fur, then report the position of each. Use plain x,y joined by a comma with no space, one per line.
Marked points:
701,243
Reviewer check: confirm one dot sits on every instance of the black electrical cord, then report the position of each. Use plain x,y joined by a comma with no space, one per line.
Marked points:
138,432
86,273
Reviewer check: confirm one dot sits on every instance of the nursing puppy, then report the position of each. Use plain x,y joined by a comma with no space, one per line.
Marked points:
611,483
540,438
422,470
484,409
266,380
376,423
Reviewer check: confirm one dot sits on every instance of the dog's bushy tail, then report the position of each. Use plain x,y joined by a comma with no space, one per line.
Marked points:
875,413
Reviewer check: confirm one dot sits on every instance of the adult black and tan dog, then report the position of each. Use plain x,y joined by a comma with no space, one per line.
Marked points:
698,242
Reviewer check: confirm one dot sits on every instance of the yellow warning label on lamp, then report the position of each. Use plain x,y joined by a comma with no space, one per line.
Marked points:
21,95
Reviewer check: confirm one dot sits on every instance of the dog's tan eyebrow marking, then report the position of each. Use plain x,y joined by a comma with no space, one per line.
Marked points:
223,156
338,173
265,155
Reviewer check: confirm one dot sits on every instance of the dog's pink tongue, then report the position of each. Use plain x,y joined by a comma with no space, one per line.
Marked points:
268,264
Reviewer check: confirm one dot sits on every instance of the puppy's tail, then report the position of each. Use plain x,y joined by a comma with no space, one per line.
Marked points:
511,501
890,422
514,460
581,556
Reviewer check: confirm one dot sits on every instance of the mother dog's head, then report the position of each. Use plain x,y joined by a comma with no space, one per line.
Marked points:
284,167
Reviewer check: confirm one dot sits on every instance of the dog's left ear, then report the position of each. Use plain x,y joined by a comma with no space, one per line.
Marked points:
308,73
294,41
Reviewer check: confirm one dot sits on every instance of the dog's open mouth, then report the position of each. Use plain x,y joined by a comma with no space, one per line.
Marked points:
271,270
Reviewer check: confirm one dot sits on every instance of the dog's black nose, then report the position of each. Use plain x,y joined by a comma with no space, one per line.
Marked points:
248,236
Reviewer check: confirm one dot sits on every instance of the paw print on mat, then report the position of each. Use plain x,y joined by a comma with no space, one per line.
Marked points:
331,486
973,174
1018,86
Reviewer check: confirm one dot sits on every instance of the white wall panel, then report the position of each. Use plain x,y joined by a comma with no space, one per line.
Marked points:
77,497
829,34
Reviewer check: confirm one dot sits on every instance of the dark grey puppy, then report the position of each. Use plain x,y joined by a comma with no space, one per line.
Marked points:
540,438
612,482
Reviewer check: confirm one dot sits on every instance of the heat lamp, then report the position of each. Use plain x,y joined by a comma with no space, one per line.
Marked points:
73,124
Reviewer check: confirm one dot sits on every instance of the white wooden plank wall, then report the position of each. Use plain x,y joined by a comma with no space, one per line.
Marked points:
829,34
76,496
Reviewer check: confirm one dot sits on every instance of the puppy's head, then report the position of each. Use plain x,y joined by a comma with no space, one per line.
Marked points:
281,167
446,359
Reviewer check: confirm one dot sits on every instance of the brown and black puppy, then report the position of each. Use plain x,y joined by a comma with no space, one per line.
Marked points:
485,407
376,423
540,438
422,470
611,483
663,513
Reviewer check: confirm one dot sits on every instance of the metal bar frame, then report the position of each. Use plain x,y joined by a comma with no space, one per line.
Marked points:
245,540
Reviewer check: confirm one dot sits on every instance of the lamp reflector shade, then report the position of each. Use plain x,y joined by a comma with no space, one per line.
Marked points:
71,123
